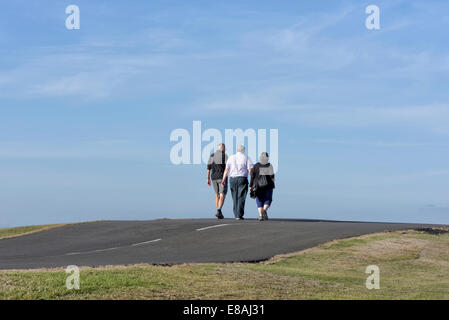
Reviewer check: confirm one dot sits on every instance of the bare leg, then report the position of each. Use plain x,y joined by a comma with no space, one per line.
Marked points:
217,199
260,211
265,208
221,199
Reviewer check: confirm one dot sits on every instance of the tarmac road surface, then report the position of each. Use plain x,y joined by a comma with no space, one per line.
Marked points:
169,241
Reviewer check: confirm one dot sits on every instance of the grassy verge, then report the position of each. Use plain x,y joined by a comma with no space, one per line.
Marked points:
18,231
413,265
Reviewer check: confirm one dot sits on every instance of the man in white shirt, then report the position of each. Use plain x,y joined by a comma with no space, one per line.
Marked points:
238,167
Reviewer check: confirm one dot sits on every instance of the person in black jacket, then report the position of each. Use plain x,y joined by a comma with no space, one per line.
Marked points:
262,185
215,169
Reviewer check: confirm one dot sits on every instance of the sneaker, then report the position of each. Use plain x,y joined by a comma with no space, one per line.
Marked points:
241,218
265,215
260,218
219,215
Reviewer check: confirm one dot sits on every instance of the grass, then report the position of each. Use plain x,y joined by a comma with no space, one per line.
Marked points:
413,265
17,231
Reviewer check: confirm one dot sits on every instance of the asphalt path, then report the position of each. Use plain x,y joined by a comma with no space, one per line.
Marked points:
168,241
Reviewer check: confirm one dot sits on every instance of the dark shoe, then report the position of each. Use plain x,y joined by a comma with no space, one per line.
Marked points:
219,215
265,215
260,218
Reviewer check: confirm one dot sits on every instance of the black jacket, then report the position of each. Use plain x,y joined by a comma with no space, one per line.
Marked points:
265,169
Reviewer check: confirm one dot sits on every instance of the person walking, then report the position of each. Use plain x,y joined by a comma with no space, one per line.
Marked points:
215,169
262,185
238,167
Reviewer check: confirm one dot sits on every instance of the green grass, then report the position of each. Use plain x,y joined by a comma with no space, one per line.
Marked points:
413,265
12,232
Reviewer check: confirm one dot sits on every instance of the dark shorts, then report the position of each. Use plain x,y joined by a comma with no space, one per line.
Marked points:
219,188
264,197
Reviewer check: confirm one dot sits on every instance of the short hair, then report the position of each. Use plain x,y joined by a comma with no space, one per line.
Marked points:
220,146
240,148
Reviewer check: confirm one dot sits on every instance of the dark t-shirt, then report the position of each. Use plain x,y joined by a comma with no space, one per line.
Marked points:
217,164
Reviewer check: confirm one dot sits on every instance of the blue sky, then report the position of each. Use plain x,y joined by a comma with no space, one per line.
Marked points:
86,114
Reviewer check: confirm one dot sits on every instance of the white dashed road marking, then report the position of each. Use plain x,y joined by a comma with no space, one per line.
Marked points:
142,243
101,250
109,249
215,226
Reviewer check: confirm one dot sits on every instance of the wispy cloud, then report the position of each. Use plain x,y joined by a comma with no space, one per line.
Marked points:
353,80
298,36
282,102
94,68
381,144
80,150
85,75
82,84
436,207
430,116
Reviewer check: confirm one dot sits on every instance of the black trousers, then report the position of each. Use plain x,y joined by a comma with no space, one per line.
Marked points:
239,190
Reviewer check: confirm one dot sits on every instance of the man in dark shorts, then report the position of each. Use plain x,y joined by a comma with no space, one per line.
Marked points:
215,169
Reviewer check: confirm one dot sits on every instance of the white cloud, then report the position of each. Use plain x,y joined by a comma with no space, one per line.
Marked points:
277,68
298,36
80,150
381,144
280,102
95,68
242,102
436,207
431,118
82,84
164,39
272,98
90,76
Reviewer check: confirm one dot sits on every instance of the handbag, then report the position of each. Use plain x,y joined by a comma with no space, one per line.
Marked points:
252,194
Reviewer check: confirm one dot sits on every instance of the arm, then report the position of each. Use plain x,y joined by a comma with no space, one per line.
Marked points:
225,174
250,167
208,177
253,176
209,168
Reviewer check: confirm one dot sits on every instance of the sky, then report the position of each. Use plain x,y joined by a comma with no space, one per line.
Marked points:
86,115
